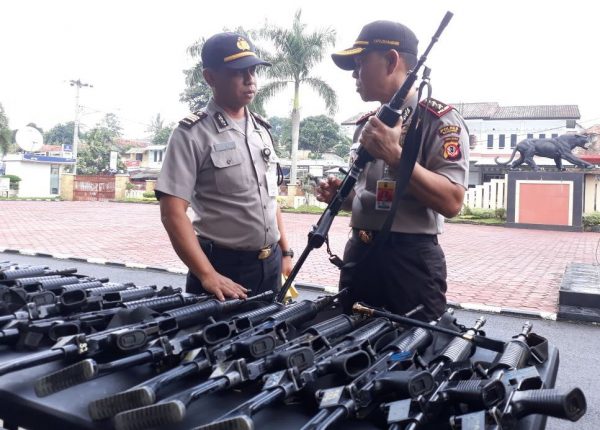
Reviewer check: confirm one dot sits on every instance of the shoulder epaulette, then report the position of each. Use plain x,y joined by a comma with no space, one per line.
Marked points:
365,117
192,119
261,120
436,107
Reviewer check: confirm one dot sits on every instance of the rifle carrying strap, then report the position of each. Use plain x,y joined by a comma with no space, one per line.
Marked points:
410,153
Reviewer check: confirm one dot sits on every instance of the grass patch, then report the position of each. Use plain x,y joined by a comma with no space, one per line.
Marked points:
147,201
307,209
470,219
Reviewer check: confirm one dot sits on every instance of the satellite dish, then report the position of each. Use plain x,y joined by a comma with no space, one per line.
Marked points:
29,139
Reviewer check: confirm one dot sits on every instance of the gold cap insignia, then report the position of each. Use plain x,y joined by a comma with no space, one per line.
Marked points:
243,44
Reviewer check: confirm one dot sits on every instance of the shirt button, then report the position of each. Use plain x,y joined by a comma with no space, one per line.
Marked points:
260,184
265,206
228,161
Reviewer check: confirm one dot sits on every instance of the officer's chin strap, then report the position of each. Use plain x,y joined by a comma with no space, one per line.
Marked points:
408,159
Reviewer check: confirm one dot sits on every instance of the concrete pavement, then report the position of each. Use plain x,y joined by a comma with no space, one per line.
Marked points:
487,266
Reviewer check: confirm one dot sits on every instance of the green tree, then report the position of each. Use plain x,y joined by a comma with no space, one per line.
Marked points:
60,134
159,132
197,92
296,53
281,130
112,124
156,125
321,134
6,135
94,154
162,136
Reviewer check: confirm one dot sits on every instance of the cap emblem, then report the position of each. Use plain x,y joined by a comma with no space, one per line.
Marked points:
243,44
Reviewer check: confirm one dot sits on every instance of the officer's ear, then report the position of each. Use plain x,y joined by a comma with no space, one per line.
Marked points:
209,76
393,60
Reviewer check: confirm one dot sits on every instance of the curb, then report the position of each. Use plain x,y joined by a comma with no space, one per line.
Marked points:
94,260
523,313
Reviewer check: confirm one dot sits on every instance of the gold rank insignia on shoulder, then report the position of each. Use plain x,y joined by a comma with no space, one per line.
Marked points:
192,119
261,120
436,107
365,117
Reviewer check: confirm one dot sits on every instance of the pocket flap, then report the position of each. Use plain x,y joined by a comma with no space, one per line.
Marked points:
226,158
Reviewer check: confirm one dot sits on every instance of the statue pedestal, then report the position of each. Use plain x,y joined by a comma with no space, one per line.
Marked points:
546,200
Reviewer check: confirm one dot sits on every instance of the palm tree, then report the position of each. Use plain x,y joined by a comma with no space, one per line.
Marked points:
296,53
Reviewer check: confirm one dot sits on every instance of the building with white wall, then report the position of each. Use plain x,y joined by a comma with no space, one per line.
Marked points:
40,174
495,130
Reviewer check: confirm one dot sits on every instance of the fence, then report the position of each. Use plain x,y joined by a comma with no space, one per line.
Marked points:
489,195
94,188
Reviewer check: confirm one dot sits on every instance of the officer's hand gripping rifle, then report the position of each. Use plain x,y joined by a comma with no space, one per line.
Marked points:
389,114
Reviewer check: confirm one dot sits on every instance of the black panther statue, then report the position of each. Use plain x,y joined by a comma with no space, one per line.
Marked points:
558,148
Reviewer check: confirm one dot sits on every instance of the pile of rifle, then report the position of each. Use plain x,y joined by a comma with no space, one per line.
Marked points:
387,370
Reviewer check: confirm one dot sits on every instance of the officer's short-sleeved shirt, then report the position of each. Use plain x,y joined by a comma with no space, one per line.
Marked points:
227,172
444,150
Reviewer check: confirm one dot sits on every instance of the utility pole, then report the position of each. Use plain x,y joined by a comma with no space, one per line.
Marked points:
77,84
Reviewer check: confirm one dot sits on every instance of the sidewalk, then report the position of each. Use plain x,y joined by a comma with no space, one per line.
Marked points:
493,266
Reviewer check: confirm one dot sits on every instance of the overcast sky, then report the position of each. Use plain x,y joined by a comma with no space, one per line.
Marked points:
512,52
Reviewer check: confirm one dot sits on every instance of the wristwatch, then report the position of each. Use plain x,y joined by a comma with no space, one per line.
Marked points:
288,253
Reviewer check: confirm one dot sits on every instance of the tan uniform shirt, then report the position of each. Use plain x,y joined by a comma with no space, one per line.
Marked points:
224,172
442,136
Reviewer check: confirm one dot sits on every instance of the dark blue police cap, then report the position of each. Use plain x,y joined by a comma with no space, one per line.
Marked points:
378,35
230,50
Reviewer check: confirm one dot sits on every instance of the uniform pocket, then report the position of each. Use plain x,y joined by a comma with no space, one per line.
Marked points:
230,175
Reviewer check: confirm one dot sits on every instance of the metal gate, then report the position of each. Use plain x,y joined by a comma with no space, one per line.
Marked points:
94,188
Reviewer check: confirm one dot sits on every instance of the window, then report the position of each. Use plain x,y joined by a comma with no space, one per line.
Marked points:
513,140
158,155
570,123
139,157
490,142
554,135
529,135
542,136
501,143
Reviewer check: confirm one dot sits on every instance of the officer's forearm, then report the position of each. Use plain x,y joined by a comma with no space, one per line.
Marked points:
283,242
184,241
436,191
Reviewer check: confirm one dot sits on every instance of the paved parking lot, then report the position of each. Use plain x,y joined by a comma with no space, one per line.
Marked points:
493,266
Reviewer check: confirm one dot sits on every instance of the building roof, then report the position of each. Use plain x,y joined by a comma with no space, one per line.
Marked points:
131,143
493,111
155,147
50,148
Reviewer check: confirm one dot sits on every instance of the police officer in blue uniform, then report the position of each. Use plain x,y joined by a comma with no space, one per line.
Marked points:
409,269
221,161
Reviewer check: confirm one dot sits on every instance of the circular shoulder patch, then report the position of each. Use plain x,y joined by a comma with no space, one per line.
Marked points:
451,149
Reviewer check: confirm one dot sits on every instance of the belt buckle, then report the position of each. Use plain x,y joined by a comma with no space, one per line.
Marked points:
265,252
365,236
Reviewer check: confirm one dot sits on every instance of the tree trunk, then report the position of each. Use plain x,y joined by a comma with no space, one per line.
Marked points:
295,133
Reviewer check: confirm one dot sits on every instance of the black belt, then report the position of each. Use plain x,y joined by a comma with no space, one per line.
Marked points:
211,248
368,236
